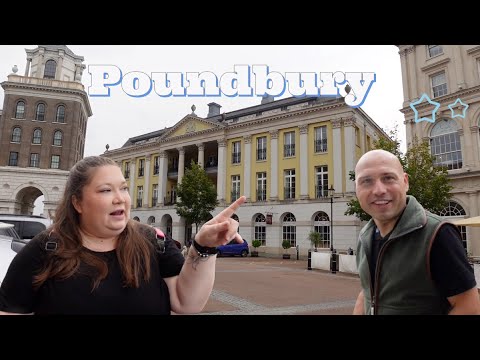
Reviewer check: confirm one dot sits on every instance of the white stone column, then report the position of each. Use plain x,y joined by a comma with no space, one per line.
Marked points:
472,211
132,178
405,79
459,67
412,72
221,169
247,160
27,68
336,145
303,156
350,152
41,63
273,176
475,145
201,154
146,183
58,71
464,147
162,177
181,164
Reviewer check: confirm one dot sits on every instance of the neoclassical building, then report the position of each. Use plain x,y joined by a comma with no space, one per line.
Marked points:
42,128
450,76
283,155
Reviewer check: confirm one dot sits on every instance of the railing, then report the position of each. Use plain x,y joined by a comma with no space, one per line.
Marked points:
127,174
321,191
154,201
235,195
155,170
236,158
262,194
320,145
139,203
261,154
289,150
140,172
170,200
46,82
289,193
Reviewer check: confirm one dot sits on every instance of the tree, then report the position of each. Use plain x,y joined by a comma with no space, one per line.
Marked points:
428,183
196,196
315,239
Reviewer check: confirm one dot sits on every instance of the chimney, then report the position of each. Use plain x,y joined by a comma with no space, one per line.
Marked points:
267,99
213,109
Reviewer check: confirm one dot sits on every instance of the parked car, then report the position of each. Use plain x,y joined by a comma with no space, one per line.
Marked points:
234,248
27,226
10,244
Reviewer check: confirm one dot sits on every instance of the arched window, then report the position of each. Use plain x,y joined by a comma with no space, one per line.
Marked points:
454,209
60,114
289,229
321,224
445,145
16,134
57,138
151,220
136,218
20,110
50,69
260,229
40,112
235,217
37,136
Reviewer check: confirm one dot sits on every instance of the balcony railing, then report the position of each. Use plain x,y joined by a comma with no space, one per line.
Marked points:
321,191
139,202
289,150
320,145
171,200
127,174
154,201
289,192
261,154
236,158
262,194
155,170
235,194
140,172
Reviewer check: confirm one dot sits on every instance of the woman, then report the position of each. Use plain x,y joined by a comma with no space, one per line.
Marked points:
95,260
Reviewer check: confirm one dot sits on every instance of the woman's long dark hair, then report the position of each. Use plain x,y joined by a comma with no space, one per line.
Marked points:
133,250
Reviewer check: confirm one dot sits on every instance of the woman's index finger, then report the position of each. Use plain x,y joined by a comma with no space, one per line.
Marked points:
229,211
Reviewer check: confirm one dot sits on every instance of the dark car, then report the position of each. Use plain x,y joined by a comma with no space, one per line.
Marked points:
234,248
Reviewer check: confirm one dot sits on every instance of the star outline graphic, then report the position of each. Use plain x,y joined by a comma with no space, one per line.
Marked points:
419,101
464,111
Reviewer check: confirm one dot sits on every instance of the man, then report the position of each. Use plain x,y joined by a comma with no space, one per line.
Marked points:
409,261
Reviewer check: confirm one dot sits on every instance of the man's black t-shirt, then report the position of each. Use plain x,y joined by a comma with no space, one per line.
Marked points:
451,272
75,296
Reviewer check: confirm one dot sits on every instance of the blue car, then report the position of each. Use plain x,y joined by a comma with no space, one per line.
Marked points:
234,248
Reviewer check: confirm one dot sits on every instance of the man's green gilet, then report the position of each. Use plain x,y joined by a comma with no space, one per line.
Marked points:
403,283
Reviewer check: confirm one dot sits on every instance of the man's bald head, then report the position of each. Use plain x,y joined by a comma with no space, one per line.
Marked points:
380,157
381,187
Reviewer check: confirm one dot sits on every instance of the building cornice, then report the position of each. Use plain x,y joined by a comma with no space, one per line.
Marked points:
11,85
443,99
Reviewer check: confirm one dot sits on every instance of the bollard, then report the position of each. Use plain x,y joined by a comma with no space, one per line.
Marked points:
309,261
333,262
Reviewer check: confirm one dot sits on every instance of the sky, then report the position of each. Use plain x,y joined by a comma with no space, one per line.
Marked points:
118,117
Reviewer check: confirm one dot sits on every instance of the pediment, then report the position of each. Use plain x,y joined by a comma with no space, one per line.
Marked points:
190,125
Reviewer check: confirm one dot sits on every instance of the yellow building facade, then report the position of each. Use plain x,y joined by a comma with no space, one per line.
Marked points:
291,158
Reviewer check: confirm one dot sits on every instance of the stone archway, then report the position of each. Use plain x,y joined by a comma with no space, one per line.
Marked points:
25,199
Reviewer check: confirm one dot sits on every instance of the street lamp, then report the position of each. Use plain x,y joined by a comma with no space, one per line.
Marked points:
333,256
331,192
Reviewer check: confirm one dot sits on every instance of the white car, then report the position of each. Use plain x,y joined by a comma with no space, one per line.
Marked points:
9,240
